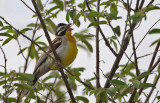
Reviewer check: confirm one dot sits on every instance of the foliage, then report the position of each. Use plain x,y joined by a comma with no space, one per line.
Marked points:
123,83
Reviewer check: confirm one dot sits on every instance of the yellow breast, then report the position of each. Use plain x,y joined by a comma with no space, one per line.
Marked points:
71,52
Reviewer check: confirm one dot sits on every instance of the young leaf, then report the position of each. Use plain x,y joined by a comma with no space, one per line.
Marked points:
25,29
95,23
39,4
59,3
155,31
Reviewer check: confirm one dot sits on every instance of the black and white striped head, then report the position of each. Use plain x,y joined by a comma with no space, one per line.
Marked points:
62,28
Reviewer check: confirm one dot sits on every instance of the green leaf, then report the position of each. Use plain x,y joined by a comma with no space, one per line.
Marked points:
137,17
155,42
98,92
39,4
32,52
115,45
25,29
89,46
7,41
11,100
1,24
111,91
136,83
73,13
25,76
42,43
94,14
114,12
117,30
146,85
67,15
95,23
22,50
154,31
59,3
81,98
51,26
3,82
142,75
5,34
116,82
53,8
25,86
103,97
6,27
76,20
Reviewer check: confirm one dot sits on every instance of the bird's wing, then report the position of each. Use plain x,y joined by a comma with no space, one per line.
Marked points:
56,43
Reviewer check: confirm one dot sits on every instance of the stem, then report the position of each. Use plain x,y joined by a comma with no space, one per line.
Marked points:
97,50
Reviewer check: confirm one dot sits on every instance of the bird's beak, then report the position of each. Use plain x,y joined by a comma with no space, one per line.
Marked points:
68,26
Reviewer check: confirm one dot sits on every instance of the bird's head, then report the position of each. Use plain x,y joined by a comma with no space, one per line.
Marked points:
62,28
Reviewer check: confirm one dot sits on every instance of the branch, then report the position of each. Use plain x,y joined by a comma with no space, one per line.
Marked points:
150,93
141,5
97,50
151,64
54,52
135,56
102,34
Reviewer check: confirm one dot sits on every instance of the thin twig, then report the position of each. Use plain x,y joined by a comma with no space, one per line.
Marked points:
5,70
146,55
34,32
28,6
151,64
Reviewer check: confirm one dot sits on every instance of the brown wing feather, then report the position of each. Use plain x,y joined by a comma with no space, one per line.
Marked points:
56,43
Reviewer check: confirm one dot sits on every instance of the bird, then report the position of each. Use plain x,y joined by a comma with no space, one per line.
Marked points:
66,49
